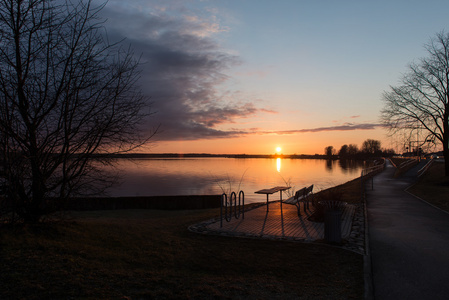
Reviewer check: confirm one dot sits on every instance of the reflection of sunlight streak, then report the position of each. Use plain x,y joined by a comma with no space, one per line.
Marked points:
186,176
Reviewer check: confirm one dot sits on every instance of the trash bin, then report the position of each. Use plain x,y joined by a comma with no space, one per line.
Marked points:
332,225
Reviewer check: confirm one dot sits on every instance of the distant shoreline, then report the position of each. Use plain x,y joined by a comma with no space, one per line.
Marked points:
197,155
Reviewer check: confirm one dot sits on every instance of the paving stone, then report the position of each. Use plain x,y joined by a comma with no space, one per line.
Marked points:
281,222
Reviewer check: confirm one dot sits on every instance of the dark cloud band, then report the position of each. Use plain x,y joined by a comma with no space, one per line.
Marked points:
183,72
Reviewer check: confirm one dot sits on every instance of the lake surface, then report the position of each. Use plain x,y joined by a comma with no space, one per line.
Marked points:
206,176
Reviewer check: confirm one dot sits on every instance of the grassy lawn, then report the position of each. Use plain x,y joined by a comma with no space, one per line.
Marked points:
150,254
433,187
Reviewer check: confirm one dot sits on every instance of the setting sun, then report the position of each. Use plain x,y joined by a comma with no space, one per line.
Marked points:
278,149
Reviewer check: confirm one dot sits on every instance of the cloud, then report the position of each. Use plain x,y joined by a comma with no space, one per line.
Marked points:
183,68
259,74
344,127
184,71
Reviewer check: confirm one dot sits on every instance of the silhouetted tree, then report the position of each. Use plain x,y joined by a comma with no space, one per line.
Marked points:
353,150
343,152
421,102
388,152
65,95
371,147
329,151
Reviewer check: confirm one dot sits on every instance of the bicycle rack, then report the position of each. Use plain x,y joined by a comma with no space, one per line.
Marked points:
229,204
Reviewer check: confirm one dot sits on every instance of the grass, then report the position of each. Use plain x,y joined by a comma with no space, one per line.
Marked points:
150,254
349,192
433,187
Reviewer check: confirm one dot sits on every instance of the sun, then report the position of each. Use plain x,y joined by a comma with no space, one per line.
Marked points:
278,149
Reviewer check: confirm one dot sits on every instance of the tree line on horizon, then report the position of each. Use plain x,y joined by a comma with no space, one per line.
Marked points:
370,148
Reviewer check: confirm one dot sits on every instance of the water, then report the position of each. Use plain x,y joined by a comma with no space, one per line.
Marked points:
205,176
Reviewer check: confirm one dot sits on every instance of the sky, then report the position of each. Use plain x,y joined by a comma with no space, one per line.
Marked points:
248,76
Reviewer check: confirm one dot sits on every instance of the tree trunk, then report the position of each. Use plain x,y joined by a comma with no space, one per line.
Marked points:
446,140
446,159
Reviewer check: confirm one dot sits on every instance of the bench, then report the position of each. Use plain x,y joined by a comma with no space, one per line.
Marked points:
302,195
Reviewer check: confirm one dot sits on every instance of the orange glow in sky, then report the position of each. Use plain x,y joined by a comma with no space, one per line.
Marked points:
306,143
223,80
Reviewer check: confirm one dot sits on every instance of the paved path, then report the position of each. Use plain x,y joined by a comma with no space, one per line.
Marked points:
409,242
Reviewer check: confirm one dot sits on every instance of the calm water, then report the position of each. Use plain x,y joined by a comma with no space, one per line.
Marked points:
203,176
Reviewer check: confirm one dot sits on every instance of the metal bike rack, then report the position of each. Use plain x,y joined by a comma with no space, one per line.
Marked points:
227,207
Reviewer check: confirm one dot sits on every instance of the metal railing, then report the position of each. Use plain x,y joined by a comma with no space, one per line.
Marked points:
408,163
369,173
426,167
228,205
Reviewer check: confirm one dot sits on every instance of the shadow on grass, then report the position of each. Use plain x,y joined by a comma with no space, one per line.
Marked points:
151,254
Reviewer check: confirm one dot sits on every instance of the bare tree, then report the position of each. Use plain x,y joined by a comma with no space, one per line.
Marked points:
371,147
420,105
353,150
66,95
343,152
329,151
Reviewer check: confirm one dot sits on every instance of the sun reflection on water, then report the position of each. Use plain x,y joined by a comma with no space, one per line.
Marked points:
200,176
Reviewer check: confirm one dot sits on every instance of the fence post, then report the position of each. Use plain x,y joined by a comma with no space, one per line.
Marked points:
369,172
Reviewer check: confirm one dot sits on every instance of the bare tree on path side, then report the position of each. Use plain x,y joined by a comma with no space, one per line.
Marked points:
421,102
66,96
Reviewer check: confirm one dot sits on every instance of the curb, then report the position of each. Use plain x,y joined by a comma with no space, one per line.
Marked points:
367,263
419,198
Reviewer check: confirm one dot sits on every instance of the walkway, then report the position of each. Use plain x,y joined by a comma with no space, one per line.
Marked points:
277,223
409,242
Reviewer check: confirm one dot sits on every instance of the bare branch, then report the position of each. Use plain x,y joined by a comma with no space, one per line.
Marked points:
421,103
66,95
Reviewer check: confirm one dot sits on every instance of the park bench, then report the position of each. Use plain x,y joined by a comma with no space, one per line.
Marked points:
303,195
